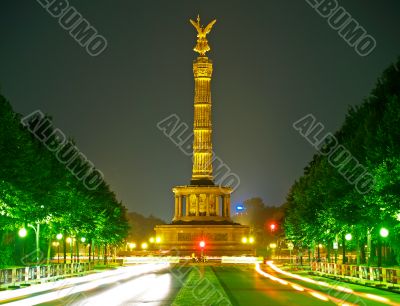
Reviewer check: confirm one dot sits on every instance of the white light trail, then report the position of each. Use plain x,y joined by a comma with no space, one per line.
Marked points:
334,287
62,292
314,293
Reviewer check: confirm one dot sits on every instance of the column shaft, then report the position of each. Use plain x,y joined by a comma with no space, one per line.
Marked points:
228,206
180,206
176,207
187,205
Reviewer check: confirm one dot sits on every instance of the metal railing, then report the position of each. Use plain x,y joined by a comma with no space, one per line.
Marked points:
363,274
38,274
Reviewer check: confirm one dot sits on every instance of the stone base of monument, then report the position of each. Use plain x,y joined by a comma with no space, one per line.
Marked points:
219,239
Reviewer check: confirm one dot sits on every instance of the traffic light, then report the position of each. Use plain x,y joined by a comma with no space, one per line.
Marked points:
202,244
272,226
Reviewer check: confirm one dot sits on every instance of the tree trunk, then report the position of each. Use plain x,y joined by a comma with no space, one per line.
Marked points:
328,252
105,254
77,251
65,249
90,249
48,251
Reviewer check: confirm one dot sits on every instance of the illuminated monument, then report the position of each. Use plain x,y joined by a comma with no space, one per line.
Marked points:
202,209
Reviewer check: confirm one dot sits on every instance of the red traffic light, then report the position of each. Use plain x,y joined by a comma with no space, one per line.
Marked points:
202,244
272,226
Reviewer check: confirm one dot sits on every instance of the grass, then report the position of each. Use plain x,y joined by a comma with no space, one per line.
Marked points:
108,266
201,287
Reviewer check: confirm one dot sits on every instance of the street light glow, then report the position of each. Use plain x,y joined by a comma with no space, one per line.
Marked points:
83,239
384,232
348,237
59,236
244,240
22,232
144,245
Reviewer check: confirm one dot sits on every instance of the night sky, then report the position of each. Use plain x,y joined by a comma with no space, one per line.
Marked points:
274,62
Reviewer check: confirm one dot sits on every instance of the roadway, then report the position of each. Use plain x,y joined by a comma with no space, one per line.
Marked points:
158,284
272,286
148,284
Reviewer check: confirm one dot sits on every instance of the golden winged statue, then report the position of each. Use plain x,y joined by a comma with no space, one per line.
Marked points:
202,44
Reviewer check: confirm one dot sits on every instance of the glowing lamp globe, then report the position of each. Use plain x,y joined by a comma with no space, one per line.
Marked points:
384,232
22,232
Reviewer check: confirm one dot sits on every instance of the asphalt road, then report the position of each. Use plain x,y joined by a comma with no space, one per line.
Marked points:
136,285
245,286
153,285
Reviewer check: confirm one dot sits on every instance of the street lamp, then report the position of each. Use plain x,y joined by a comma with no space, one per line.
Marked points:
347,237
384,232
244,240
22,232
144,246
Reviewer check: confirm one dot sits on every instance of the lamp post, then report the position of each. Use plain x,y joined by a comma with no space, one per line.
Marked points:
37,232
23,232
347,237
383,233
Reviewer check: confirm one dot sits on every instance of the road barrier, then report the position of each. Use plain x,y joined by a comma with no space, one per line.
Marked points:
361,274
39,274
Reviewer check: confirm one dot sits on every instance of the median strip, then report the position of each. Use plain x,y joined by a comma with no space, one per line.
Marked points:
201,287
